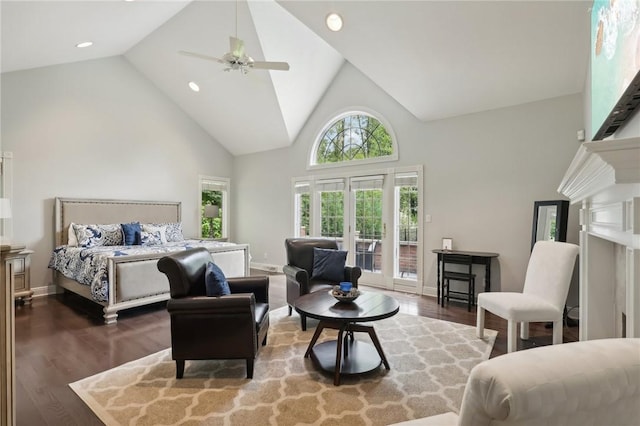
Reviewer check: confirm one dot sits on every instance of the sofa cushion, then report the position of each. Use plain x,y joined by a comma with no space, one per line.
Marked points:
215,282
328,264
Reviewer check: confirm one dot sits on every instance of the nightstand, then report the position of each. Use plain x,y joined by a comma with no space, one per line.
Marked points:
21,259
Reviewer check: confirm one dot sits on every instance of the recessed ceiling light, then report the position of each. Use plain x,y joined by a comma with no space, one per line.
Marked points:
193,86
334,21
85,44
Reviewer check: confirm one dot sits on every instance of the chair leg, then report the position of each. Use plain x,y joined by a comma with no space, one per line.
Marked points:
473,292
469,295
524,330
179,368
303,322
480,323
249,368
557,332
290,310
445,292
512,336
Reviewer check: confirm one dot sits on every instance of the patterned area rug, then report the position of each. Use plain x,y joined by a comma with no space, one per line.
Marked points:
430,362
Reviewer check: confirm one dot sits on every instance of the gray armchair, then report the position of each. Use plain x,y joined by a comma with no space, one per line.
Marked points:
299,268
224,327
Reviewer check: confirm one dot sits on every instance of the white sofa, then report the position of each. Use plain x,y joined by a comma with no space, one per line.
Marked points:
595,382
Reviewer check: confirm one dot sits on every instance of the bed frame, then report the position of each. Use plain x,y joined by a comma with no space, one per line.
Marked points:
133,280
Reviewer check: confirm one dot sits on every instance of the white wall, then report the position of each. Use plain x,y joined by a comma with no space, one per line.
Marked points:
97,129
482,174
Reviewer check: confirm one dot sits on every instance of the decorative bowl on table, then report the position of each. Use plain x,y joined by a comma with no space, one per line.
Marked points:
345,296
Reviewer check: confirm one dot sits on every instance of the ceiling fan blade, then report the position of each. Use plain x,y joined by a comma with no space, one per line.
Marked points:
200,56
278,66
237,47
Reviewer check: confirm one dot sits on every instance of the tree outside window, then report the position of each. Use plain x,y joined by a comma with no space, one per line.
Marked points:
355,136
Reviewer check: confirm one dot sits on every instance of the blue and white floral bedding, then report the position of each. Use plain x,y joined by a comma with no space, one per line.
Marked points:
89,265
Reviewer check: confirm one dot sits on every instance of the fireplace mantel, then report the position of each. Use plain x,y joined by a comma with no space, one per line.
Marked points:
604,177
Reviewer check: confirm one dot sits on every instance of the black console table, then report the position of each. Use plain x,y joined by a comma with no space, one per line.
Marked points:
477,257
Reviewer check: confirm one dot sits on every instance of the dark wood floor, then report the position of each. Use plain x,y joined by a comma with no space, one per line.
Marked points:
61,339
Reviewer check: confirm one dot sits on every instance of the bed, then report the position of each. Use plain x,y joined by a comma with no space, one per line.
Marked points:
131,280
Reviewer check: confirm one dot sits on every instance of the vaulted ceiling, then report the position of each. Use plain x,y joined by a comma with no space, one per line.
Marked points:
438,59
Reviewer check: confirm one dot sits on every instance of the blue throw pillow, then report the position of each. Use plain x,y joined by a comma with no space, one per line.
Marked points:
131,233
328,264
215,281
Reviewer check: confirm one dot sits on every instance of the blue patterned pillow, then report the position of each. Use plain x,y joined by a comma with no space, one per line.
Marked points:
151,238
98,235
215,281
328,264
131,233
157,234
173,231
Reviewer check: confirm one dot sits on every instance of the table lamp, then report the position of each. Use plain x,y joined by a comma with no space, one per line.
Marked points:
211,211
5,213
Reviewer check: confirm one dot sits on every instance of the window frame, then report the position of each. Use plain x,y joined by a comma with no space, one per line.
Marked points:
312,164
297,222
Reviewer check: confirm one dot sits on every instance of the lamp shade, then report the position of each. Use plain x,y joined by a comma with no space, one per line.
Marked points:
5,208
211,210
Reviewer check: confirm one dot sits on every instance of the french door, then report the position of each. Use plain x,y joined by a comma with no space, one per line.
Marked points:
374,218
367,225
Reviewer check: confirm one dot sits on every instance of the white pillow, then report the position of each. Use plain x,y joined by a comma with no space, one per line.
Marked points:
72,239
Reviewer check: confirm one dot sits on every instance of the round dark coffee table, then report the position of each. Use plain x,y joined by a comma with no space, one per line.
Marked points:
345,355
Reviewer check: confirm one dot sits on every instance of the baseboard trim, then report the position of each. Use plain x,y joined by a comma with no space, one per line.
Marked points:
46,290
430,291
266,267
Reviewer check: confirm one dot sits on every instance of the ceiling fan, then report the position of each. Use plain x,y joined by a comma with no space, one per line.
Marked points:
237,59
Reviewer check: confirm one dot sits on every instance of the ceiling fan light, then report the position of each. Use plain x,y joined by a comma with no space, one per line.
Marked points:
334,21
84,44
193,86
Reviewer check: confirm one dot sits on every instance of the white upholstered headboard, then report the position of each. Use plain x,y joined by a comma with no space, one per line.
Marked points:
94,211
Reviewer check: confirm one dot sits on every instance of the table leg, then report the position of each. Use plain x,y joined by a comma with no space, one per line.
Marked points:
345,345
314,339
374,338
438,282
338,368
487,274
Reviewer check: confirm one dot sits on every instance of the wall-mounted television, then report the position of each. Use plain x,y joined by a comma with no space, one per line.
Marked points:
615,65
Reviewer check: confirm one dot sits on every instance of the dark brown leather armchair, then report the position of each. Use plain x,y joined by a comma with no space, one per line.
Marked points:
299,270
225,327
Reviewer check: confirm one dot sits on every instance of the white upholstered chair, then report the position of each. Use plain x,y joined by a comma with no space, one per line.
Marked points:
544,295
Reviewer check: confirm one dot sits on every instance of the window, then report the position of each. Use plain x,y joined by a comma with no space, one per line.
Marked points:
354,137
302,201
214,202
331,194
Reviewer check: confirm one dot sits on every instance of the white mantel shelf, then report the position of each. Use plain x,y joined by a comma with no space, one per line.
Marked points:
604,177
600,165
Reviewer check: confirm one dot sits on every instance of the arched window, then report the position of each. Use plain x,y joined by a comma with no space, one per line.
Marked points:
354,136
